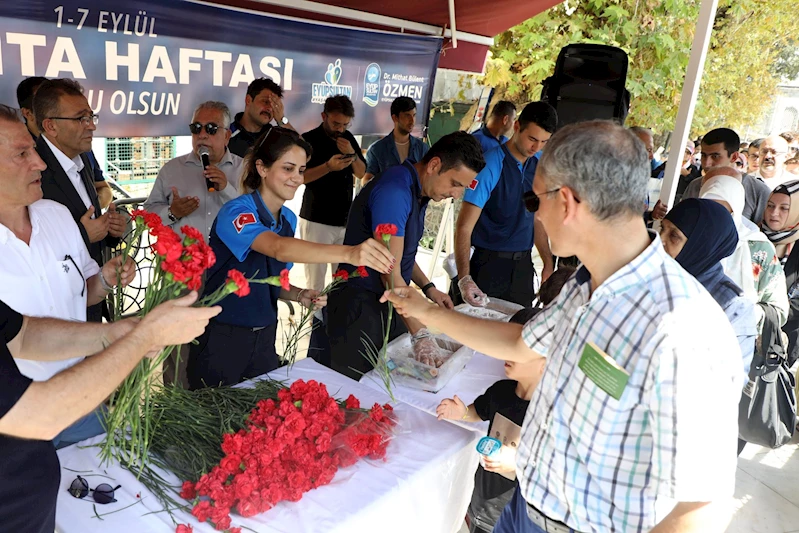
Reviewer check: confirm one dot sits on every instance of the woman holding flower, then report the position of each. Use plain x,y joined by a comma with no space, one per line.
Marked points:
254,234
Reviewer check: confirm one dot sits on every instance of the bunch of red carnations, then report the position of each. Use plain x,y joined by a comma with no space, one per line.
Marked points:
179,263
290,446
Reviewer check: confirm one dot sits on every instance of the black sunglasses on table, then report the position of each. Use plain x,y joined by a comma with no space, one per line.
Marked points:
104,493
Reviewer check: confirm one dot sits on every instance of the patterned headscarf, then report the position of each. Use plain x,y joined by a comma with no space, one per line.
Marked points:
790,233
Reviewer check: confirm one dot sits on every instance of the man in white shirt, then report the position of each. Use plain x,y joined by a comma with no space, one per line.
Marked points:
45,268
67,125
181,195
773,155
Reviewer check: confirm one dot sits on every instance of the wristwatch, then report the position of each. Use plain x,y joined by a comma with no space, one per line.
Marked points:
171,216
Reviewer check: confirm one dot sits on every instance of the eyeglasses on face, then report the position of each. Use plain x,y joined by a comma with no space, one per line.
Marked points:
196,127
85,120
103,494
532,201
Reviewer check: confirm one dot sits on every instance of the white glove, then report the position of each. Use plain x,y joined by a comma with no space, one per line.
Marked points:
426,350
471,293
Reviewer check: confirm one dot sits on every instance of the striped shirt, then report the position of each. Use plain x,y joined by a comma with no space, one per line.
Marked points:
600,464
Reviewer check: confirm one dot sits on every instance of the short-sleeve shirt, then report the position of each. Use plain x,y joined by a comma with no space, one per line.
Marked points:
600,464
487,140
493,491
394,198
504,224
238,224
48,276
383,154
328,199
29,469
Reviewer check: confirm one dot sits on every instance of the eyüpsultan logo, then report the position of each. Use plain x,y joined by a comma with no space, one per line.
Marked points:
330,87
371,85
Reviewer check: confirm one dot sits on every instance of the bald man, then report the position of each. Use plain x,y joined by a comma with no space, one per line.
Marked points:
773,155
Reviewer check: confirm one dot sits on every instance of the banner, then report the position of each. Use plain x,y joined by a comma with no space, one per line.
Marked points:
146,66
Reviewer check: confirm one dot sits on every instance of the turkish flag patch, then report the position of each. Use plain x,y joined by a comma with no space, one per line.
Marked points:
473,184
242,220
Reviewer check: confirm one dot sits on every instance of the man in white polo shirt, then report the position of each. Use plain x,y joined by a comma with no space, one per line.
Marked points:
45,268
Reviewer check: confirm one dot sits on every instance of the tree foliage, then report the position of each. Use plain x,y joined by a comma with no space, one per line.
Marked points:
738,80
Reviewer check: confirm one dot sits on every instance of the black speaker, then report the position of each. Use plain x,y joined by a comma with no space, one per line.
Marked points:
588,84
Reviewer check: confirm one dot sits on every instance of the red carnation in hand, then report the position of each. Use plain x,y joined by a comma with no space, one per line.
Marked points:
361,272
234,277
386,229
192,233
284,279
342,275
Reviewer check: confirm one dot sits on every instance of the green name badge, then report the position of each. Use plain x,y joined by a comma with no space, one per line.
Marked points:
603,370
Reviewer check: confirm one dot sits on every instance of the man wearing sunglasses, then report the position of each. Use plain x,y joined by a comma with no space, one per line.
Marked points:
32,413
181,194
67,125
636,414
263,103
493,218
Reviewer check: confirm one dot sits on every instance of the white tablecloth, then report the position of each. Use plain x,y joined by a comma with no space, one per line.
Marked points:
479,373
424,486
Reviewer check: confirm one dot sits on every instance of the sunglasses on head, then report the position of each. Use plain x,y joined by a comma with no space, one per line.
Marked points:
104,493
197,127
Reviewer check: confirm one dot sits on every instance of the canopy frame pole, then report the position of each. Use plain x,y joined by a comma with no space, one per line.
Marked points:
690,91
454,38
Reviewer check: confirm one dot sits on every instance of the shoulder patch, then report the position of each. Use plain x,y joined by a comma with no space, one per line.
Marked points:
243,220
473,185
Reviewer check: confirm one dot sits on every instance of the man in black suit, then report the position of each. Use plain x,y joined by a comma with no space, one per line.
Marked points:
67,123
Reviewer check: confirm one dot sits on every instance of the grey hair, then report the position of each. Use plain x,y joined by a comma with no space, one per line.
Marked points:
219,106
9,114
640,129
605,165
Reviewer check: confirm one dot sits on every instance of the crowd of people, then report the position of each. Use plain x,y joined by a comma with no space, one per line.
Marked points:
624,381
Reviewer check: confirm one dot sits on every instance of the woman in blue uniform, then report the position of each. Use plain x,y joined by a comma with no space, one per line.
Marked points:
254,234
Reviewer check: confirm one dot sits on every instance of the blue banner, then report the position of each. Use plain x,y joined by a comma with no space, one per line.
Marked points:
145,66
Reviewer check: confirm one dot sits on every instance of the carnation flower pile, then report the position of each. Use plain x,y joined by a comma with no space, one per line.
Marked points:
290,446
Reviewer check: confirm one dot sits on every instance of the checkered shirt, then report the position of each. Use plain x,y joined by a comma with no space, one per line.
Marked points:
599,464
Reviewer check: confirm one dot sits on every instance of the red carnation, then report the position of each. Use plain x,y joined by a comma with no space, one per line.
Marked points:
362,272
188,491
352,402
234,277
183,528
192,233
284,279
386,229
342,275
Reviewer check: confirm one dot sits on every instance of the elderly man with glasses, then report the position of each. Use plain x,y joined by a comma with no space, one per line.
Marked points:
191,188
67,125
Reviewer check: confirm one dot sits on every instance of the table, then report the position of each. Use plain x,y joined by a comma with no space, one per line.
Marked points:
424,486
479,373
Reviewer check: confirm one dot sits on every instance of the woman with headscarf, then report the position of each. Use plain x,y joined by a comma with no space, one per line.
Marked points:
781,226
699,234
754,265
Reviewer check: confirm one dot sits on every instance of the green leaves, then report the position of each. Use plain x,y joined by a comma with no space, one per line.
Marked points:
750,36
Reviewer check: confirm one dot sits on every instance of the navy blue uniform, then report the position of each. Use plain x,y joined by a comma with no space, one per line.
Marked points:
354,311
503,240
239,343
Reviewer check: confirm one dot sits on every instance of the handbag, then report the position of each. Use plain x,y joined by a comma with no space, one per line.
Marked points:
767,410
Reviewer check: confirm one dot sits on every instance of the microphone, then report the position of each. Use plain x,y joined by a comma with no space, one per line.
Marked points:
204,155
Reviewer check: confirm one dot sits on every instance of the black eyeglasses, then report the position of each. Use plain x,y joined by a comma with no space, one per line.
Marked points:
197,127
85,120
66,269
104,493
532,201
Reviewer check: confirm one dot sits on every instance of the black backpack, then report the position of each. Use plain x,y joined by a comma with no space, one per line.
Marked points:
588,84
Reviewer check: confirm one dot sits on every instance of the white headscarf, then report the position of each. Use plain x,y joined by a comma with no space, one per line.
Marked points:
738,266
